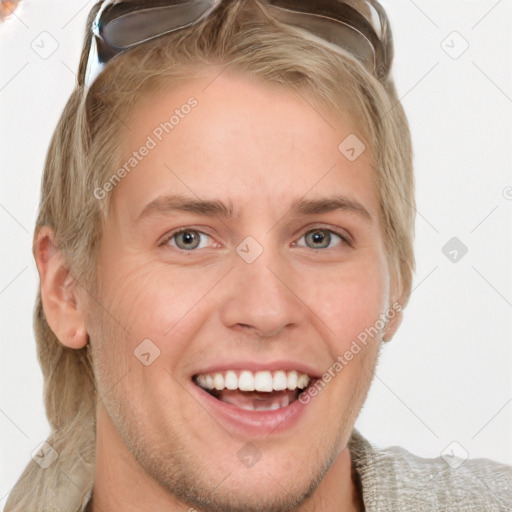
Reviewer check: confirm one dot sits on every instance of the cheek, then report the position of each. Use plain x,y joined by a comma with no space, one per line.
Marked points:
347,298
168,305
149,297
152,301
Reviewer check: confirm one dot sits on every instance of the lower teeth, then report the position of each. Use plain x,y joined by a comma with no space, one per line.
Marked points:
255,401
257,405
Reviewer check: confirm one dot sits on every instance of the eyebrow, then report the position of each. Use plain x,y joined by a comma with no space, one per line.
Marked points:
215,208
329,204
172,203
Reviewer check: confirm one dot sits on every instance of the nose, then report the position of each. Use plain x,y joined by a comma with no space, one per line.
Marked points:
259,298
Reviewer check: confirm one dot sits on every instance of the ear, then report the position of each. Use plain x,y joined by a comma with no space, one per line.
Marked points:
59,291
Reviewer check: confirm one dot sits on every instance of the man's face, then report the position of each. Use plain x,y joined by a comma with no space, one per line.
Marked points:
256,298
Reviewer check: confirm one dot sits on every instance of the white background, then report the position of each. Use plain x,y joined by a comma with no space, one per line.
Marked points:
446,376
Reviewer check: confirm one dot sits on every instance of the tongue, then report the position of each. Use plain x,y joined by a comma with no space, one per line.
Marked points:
257,400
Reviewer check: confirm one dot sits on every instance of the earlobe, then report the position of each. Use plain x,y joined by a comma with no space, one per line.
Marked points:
59,291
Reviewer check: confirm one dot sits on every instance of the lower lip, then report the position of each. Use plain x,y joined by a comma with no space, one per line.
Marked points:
251,423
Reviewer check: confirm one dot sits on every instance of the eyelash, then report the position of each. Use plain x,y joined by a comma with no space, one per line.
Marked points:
343,238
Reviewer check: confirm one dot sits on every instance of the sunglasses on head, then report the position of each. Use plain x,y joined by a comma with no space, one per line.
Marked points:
120,26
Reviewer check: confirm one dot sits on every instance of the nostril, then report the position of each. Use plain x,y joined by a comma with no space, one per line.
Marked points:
277,331
259,332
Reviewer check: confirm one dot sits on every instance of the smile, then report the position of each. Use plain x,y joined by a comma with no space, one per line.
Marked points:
254,391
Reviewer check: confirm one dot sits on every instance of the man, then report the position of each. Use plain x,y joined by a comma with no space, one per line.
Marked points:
221,256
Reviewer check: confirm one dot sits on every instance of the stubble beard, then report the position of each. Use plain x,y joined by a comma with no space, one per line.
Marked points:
182,472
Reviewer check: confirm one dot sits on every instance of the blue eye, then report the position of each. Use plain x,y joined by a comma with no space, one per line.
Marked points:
322,239
188,239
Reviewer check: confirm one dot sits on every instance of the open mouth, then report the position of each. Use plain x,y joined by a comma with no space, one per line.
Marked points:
255,391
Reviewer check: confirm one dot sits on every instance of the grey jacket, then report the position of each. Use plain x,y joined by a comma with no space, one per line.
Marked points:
391,480
395,480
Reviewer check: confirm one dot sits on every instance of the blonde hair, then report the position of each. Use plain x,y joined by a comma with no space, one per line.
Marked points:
83,155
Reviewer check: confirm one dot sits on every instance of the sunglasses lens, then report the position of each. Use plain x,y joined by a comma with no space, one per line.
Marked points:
337,34
334,22
338,24
121,31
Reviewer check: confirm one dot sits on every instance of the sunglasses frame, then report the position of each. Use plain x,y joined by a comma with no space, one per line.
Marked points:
329,26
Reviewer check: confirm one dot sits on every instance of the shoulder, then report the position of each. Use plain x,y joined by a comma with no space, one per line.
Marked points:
395,479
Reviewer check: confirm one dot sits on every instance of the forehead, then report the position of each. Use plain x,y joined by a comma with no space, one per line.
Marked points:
223,135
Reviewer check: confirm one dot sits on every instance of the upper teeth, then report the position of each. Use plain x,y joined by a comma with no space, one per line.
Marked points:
246,380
